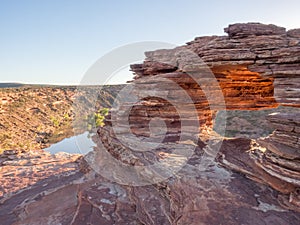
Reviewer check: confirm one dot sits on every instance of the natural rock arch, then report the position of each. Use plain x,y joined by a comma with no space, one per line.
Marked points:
257,67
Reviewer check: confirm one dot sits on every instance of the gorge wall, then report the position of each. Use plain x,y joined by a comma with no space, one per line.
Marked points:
32,117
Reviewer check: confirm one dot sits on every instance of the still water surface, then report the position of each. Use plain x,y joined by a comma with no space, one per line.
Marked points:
80,144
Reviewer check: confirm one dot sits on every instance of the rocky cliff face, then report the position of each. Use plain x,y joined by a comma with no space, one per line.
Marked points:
37,111
32,117
255,67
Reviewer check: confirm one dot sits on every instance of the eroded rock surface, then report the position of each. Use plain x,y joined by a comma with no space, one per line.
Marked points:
273,160
256,67
198,194
19,170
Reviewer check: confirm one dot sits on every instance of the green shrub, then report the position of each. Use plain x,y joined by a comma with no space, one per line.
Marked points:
55,121
96,119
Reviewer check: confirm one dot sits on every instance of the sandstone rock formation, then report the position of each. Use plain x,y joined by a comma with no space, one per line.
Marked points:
196,195
257,67
22,169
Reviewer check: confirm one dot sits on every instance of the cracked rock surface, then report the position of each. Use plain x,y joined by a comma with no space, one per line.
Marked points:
198,194
246,181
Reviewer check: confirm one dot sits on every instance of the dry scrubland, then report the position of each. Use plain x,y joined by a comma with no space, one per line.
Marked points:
33,117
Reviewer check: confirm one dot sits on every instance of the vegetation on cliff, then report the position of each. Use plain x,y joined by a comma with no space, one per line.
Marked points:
33,117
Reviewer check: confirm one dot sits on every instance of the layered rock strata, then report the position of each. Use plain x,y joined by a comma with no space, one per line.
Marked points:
274,160
22,169
256,67
196,195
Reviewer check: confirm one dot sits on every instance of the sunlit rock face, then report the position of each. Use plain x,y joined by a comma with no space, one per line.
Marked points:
254,67
250,63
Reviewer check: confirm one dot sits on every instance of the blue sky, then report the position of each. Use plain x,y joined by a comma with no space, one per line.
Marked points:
57,41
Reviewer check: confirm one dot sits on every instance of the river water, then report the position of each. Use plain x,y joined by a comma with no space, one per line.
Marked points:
80,144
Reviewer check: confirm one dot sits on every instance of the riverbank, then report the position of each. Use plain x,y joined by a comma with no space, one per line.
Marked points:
34,117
